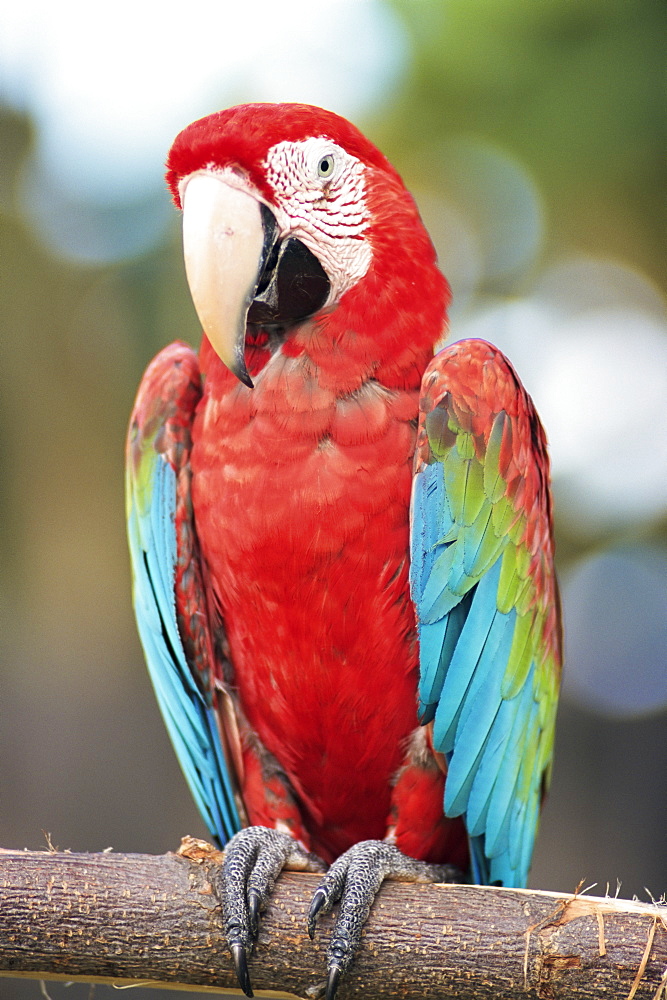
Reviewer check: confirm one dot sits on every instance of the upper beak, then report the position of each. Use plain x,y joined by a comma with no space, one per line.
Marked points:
226,241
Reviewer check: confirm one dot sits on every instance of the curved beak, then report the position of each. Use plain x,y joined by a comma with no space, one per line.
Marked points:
226,240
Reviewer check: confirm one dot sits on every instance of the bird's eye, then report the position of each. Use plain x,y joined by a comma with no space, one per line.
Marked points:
325,167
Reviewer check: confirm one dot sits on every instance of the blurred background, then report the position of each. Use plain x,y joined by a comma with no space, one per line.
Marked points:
531,136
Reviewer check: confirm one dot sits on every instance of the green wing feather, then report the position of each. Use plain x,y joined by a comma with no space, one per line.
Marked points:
486,598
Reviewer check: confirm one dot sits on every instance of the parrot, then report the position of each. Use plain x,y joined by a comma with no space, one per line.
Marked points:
341,541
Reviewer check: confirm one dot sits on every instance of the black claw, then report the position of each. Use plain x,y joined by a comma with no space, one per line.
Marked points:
241,967
332,982
317,902
254,904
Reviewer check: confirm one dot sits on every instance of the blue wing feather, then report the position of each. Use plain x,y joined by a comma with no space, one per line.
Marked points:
481,706
437,644
190,721
464,661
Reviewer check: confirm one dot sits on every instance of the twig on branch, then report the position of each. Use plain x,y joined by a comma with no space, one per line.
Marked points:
132,917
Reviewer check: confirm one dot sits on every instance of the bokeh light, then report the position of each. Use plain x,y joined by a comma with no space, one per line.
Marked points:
92,183
590,342
615,606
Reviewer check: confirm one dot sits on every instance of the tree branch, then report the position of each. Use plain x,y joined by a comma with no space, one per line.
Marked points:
131,917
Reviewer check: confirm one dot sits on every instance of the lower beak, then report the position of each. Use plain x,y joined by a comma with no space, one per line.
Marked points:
226,241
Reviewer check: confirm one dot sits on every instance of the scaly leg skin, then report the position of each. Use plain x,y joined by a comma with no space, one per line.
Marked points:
354,879
254,858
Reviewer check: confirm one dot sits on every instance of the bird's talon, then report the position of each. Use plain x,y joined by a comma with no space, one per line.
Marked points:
240,961
335,973
254,906
253,860
317,902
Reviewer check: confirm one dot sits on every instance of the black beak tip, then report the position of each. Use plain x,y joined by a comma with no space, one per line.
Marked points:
239,369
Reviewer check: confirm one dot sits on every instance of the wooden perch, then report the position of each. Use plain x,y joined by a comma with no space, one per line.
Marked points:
135,918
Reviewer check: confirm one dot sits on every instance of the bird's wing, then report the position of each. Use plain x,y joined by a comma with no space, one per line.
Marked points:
485,593
169,596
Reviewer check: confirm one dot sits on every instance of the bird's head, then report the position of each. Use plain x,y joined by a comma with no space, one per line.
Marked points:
282,216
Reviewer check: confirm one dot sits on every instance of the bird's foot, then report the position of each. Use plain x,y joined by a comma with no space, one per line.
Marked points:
253,860
354,879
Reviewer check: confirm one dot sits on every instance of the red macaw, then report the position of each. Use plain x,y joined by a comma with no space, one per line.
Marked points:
342,545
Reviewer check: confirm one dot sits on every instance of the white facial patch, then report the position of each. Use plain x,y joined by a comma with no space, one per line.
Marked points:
320,200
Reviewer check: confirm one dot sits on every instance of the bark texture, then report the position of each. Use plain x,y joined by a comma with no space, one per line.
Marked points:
130,917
